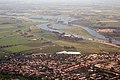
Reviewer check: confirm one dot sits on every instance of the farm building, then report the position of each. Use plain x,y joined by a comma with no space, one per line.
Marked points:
65,52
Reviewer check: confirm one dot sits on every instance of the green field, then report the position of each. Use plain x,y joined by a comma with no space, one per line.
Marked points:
18,48
9,36
12,40
79,31
86,46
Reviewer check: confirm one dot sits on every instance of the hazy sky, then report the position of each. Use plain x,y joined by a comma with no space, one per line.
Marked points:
63,1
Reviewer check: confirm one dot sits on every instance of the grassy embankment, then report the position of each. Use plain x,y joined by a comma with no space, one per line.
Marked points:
79,31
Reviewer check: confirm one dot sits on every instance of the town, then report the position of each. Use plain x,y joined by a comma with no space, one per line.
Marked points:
62,66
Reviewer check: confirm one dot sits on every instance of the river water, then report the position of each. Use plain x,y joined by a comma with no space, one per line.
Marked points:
63,26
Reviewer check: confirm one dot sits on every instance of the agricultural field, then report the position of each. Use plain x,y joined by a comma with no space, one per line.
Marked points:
86,46
22,36
12,40
78,30
18,48
19,36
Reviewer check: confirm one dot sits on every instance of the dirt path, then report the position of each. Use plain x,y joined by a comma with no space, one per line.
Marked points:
110,44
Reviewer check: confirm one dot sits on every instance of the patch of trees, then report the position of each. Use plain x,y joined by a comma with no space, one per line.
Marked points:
119,62
117,28
9,45
69,47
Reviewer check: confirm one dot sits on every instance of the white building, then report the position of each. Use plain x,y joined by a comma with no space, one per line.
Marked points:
65,52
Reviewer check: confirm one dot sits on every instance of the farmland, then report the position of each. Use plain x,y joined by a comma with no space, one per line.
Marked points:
79,31
19,36
86,46
17,49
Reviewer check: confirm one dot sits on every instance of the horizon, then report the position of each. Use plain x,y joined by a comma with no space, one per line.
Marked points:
63,1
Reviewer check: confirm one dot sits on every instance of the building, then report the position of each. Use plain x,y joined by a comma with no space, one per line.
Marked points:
65,52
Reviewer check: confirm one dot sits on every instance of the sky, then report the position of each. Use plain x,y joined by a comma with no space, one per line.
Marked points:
86,1
62,1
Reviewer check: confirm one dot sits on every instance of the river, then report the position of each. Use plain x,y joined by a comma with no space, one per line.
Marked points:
63,26
56,28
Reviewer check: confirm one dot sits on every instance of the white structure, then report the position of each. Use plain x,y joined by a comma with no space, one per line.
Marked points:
67,35
65,52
